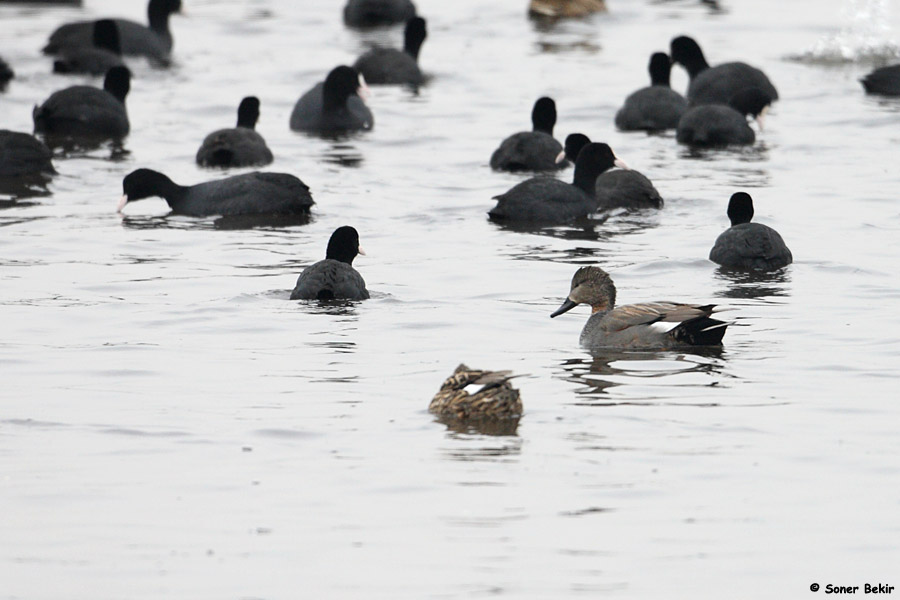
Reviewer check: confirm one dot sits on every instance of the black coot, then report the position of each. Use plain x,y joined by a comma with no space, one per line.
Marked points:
61,2
721,125
83,111
248,194
535,150
240,146
334,106
716,85
334,278
6,73
22,154
655,107
547,200
624,188
371,13
104,54
573,145
154,42
747,245
389,65
619,188
884,81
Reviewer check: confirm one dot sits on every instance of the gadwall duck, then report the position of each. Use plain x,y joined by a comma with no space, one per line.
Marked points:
655,107
534,150
747,245
630,326
334,278
716,85
496,399
565,8
240,146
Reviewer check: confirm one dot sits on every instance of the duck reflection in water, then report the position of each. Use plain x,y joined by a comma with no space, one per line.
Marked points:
753,284
343,155
610,368
222,223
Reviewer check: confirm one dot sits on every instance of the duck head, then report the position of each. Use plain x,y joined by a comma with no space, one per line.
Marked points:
590,285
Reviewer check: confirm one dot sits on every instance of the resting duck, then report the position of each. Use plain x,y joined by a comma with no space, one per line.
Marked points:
497,399
565,8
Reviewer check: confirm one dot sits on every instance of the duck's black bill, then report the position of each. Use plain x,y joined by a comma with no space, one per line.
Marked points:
566,306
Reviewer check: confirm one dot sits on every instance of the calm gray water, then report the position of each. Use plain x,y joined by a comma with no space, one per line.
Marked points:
173,426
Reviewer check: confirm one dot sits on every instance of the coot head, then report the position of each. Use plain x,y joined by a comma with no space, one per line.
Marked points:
574,143
161,9
248,112
686,52
143,183
543,115
753,102
118,82
344,245
341,83
660,67
106,36
593,160
413,36
740,208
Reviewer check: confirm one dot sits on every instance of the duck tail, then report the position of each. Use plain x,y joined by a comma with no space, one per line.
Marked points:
700,331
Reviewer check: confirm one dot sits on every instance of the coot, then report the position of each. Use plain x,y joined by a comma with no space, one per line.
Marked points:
547,200
655,107
371,13
105,53
240,146
22,154
721,125
6,73
747,245
154,42
389,65
83,111
626,188
334,278
334,106
534,150
248,194
572,146
884,81
716,85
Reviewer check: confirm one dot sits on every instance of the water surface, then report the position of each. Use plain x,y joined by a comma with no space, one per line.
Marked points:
174,426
